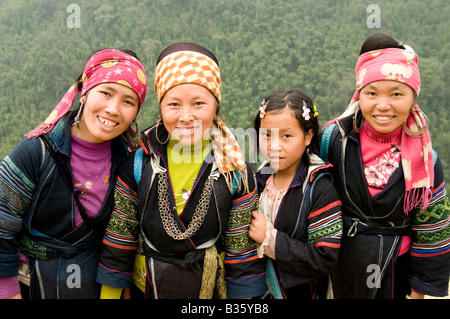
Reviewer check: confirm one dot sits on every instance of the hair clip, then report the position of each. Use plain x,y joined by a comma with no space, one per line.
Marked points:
306,111
262,108
316,113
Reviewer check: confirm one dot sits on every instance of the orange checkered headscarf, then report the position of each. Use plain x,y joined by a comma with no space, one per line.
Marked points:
189,63
184,63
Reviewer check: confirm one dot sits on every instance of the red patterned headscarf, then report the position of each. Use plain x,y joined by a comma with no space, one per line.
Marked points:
106,66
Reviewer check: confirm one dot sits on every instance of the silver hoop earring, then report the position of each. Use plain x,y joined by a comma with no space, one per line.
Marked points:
156,132
421,129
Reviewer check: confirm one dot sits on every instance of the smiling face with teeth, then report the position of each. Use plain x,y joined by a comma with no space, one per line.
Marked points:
386,104
188,111
109,109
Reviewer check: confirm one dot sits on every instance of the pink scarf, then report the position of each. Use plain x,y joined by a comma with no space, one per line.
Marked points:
416,151
417,162
106,66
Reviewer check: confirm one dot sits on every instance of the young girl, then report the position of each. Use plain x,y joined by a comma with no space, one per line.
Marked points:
190,198
396,240
298,225
56,186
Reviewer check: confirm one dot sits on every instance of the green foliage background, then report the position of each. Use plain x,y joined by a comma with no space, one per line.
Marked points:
262,45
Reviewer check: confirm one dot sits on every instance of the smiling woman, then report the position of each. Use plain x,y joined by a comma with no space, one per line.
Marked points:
188,111
391,182
197,209
62,176
385,105
108,110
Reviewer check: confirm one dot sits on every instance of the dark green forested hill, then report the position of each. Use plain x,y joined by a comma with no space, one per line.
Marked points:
262,45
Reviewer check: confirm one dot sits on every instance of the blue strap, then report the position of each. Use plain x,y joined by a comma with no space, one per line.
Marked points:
235,183
325,142
435,156
137,169
272,281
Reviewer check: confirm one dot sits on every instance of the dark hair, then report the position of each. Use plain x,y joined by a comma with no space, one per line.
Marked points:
293,100
380,41
186,46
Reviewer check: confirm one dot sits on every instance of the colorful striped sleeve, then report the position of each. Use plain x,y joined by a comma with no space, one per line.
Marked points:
18,177
16,191
325,228
120,241
240,247
123,224
245,272
430,249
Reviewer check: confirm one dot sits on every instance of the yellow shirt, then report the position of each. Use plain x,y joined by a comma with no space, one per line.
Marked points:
184,164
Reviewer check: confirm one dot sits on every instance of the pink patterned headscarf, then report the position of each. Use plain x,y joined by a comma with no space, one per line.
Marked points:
106,66
388,64
417,158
